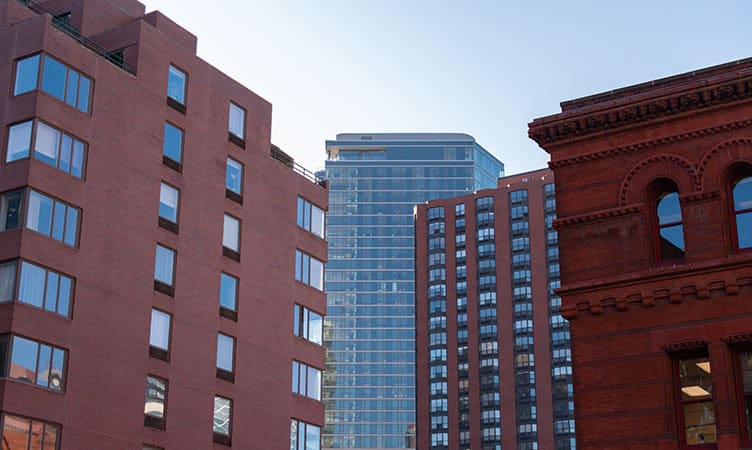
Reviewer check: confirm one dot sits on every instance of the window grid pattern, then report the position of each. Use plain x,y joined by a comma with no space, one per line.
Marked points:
488,342
46,144
561,354
43,72
437,334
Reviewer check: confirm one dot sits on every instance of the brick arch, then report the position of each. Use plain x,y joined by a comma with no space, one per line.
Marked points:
711,169
659,166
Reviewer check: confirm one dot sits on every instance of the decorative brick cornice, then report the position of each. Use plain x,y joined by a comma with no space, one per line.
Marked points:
697,197
739,339
651,110
600,215
605,154
686,346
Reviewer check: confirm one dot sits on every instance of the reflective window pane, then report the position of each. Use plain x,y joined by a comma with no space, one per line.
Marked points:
7,281
84,91
32,284
176,80
23,364
39,215
72,90
225,349
222,415
228,291
19,141
234,176
46,144
27,72
16,432
159,336
173,142
669,210
156,397
168,202
164,265
231,233
53,78
237,121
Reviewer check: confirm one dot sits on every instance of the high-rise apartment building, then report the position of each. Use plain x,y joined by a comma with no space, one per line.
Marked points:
654,195
493,358
374,182
161,264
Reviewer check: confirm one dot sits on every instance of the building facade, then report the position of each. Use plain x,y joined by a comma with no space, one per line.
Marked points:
493,357
654,195
374,182
161,264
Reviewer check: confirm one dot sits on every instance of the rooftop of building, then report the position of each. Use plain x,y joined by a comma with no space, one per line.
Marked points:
402,137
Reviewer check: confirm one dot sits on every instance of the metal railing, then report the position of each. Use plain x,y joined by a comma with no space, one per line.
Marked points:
62,24
288,161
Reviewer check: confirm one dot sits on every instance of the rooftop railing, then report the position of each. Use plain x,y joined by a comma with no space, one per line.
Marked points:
63,24
288,161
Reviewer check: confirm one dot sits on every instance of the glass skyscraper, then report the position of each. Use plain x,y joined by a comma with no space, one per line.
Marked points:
375,180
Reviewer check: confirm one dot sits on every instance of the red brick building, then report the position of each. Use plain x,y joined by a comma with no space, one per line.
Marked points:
493,364
654,196
161,263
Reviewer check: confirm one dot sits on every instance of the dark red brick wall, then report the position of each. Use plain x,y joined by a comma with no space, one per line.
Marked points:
631,316
107,334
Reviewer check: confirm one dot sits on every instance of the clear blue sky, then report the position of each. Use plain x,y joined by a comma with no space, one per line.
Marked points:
486,68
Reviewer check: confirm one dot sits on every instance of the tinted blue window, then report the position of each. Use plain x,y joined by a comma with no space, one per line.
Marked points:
173,142
176,84
743,210
53,78
228,291
27,73
72,90
234,176
84,91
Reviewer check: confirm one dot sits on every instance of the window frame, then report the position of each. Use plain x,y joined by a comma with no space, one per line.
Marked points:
178,105
159,285
152,420
40,80
223,373
232,253
680,402
743,395
229,313
657,191
168,160
156,351
300,263
304,217
737,174
235,138
25,210
32,141
8,340
302,324
165,222
219,437
31,420
236,196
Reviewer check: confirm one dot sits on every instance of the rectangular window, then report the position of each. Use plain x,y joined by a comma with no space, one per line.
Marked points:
309,270
308,324
176,83
310,217
169,199
32,434
172,147
156,400
745,360
44,288
159,334
234,180
49,145
231,237
304,436
237,122
306,380
225,357
697,412
34,362
164,270
10,209
58,80
222,420
228,296
52,218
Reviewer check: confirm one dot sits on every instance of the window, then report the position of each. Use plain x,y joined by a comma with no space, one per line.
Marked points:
309,270
58,80
742,194
234,180
156,399
310,217
670,233
52,218
169,198
304,436
176,83
306,380
172,147
34,362
159,335
32,434
43,288
164,270
696,411
308,324
222,420
225,357
228,296
46,144
236,126
10,209
231,237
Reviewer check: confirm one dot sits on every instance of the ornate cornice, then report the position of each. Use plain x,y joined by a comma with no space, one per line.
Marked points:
600,215
697,197
636,113
686,346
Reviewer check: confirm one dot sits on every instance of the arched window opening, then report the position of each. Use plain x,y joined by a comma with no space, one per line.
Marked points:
669,226
742,196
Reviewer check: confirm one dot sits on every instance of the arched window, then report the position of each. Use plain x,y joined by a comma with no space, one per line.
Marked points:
669,228
742,209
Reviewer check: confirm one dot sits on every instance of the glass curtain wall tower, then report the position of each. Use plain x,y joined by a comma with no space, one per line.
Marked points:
375,180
